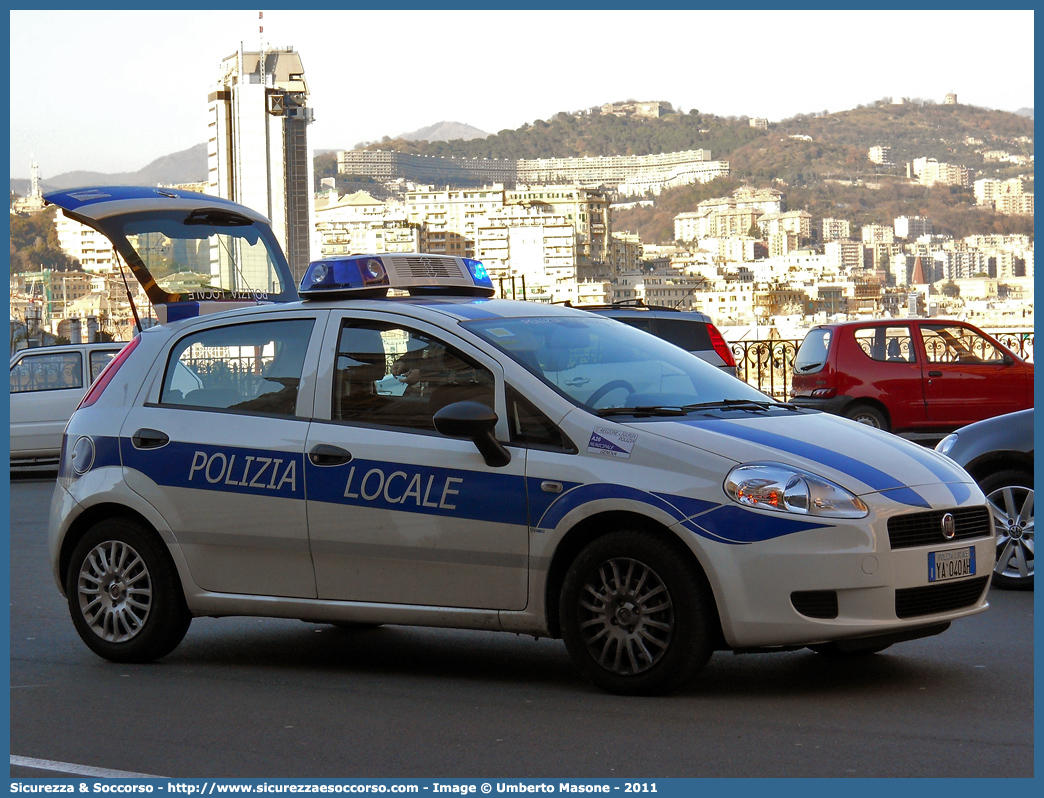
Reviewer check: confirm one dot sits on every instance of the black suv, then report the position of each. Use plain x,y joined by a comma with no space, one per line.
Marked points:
689,329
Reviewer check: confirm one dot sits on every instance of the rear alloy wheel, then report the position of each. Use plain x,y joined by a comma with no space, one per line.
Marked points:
634,615
869,415
124,594
1010,497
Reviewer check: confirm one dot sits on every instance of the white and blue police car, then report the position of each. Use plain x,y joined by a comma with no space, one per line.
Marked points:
399,447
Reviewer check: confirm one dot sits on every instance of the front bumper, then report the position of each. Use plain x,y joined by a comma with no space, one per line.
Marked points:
841,582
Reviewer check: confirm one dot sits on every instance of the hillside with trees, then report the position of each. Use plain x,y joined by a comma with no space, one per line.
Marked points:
34,244
819,161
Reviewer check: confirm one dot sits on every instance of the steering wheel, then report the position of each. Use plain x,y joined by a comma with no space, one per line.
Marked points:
612,385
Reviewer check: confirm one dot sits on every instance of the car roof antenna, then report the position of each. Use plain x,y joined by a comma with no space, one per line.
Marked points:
130,298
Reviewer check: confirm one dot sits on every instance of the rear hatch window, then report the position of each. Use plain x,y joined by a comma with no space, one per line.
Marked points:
812,354
689,335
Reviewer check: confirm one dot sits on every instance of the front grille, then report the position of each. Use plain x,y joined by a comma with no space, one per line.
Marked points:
815,603
925,529
912,602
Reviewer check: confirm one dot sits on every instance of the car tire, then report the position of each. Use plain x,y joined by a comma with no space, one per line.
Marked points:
869,415
1010,496
124,594
635,616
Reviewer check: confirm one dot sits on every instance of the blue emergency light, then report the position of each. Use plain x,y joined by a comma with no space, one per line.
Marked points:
419,274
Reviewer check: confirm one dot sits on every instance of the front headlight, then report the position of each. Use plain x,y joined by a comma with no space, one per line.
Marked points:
944,446
774,486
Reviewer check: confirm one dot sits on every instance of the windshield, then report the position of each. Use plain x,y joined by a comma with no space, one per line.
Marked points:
605,366
205,254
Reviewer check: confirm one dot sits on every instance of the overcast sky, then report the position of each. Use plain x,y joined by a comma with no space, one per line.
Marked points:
111,91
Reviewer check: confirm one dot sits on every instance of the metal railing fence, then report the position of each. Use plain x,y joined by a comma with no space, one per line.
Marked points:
769,365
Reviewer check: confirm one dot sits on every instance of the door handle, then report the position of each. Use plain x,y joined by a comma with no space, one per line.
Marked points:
326,455
149,439
576,382
934,373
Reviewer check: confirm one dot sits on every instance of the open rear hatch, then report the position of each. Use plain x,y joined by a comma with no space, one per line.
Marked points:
192,253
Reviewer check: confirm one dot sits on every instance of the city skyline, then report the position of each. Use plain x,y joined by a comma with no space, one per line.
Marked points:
63,128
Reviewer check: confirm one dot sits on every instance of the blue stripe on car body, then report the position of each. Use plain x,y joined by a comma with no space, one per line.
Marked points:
875,478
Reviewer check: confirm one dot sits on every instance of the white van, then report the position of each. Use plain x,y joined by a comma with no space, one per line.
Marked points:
47,383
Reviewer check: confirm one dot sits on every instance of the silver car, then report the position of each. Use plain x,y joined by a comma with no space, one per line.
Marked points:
998,453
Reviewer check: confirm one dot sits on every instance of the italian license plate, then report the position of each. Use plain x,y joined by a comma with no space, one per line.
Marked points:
952,564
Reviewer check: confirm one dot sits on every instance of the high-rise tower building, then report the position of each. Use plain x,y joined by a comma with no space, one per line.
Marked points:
258,144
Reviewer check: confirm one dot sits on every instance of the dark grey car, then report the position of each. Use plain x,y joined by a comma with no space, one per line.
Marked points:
691,330
998,453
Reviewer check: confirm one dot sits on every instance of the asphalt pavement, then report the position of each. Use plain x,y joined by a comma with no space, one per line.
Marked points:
247,697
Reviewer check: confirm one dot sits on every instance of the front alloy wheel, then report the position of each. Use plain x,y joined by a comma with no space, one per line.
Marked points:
634,613
626,616
1010,499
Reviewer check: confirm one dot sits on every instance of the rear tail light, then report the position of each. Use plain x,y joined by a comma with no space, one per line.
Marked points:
722,348
100,384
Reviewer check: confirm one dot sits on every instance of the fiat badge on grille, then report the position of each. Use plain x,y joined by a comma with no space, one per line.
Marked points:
949,526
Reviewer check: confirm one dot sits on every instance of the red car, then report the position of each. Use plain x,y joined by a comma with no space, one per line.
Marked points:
909,374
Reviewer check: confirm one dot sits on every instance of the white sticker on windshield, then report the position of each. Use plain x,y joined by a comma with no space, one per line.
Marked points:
612,442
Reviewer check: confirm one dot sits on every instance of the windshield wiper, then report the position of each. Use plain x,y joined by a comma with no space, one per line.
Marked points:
740,404
684,410
642,410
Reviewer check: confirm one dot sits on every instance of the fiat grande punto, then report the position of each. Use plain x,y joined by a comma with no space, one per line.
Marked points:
399,447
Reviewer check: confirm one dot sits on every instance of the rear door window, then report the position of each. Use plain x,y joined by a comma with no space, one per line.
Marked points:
254,367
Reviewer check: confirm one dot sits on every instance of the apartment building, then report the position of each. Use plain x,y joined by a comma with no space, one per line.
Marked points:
1014,204
988,189
845,253
912,227
930,171
257,148
881,155
587,209
960,263
387,165
833,229
528,241
449,218
765,200
85,244
797,223
692,225
626,174
360,223
877,234
625,253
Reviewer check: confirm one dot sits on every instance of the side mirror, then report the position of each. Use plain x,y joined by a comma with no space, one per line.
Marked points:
475,422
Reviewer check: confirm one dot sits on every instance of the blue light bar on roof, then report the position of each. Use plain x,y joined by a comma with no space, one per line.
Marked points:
420,274
364,276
